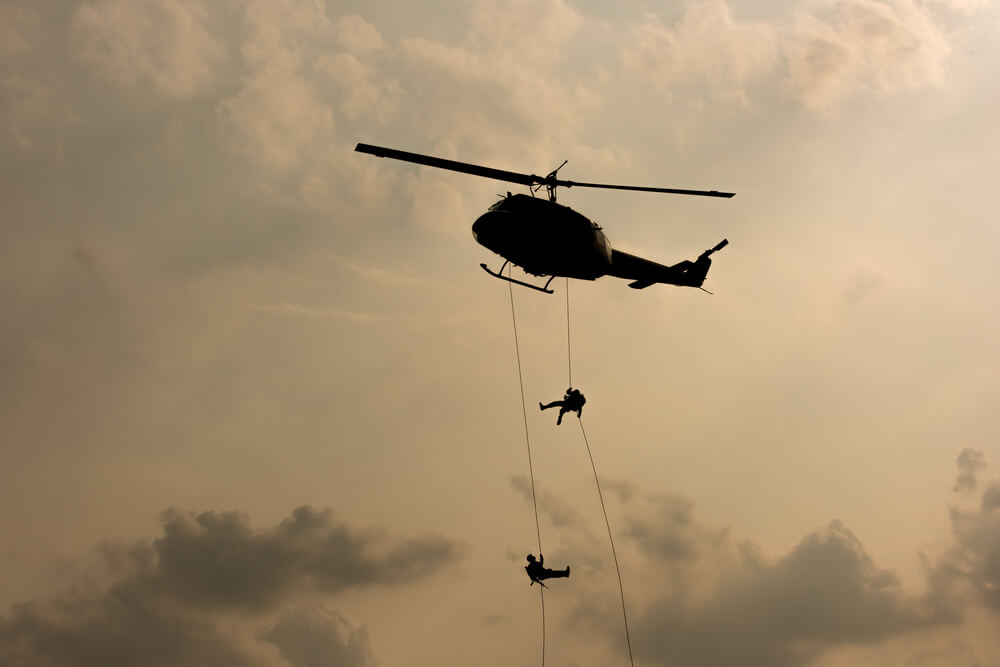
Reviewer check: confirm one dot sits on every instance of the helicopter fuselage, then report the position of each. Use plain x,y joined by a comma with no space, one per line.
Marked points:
548,239
544,238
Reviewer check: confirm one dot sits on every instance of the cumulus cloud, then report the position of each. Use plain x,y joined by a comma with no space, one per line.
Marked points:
559,512
278,112
16,27
955,654
34,110
318,637
670,531
275,116
970,461
361,92
962,7
707,600
169,43
192,596
975,559
860,45
507,73
970,569
825,53
706,46
825,592
624,490
357,35
991,496
126,625
219,559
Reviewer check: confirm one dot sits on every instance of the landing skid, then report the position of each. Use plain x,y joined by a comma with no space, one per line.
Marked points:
499,274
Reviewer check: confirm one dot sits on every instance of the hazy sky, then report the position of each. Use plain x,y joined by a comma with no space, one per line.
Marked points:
259,405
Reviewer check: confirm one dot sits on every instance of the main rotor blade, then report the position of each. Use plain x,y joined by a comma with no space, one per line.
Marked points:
515,177
453,165
639,188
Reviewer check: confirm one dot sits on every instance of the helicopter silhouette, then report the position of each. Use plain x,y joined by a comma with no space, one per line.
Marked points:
549,239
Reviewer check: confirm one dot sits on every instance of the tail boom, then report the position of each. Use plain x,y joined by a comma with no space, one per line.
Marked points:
643,272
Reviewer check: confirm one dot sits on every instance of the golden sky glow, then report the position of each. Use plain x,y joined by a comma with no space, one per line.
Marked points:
259,405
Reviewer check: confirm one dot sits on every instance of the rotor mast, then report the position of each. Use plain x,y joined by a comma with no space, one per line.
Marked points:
551,182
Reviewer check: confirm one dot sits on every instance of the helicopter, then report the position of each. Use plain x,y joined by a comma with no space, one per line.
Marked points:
546,238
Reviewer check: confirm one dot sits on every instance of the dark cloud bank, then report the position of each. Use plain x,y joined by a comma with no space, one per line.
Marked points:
824,593
969,462
699,598
213,590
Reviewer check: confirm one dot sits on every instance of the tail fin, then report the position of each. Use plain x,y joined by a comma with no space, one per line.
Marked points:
699,269
719,246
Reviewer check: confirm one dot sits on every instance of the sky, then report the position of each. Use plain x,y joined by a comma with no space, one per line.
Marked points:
259,406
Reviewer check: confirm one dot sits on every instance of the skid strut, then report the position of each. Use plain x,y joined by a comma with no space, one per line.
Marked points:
499,274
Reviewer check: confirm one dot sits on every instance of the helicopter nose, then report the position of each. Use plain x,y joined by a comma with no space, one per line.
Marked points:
484,229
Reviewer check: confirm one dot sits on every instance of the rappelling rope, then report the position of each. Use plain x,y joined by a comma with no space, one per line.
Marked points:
569,355
527,440
621,589
600,494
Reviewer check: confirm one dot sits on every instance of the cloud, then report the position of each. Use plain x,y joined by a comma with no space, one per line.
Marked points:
974,562
198,595
624,490
276,116
168,42
670,532
278,113
970,461
707,600
991,497
560,513
127,625
824,593
17,25
34,110
962,7
362,93
508,73
707,46
217,559
955,654
860,45
357,35
969,571
318,637
825,54
572,541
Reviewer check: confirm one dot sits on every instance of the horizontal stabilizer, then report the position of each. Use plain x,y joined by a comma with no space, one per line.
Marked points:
641,284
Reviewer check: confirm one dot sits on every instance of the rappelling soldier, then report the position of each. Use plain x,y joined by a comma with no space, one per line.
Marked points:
572,402
537,572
